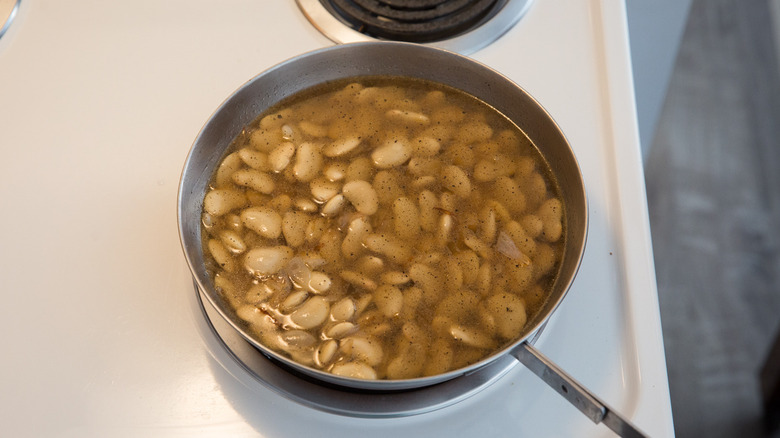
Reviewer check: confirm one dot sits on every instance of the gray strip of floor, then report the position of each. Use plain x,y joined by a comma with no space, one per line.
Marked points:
713,184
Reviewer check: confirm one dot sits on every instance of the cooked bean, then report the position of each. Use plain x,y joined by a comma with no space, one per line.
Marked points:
355,370
424,146
323,190
360,168
221,255
394,277
319,282
532,224
308,162
335,171
305,205
340,330
221,201
406,218
487,221
267,261
325,353
401,116
254,159
455,180
388,246
352,246
363,349
362,196
293,300
387,187
294,227
389,300
472,337
391,154
311,314
264,221
428,214
232,241
279,158
341,146
357,279
343,310
334,205
509,313
255,180
312,129
550,212
508,192
230,164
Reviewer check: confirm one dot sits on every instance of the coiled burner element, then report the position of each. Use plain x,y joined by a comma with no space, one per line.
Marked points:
419,21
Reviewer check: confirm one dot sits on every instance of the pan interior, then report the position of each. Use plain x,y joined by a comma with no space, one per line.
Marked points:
395,59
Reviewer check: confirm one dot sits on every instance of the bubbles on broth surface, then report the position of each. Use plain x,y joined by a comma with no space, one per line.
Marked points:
383,228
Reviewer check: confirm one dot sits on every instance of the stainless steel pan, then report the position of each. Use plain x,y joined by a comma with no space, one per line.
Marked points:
399,59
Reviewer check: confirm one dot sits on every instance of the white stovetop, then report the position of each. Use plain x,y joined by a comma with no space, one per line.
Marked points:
99,104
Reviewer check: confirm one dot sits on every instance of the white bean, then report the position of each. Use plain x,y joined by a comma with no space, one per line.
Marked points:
319,282
388,246
293,300
362,196
279,158
336,171
355,370
221,201
221,255
325,353
455,180
305,205
232,241
312,129
262,220
509,313
352,245
406,218
267,261
255,180
389,300
395,278
254,158
428,213
402,116
312,313
357,279
363,349
308,162
391,154
343,310
294,227
425,146
341,146
472,337
334,205
229,165
340,330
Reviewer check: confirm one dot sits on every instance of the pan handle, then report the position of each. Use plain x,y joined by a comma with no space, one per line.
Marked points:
574,392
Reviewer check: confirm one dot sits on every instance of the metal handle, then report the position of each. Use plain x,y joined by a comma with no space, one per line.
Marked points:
574,392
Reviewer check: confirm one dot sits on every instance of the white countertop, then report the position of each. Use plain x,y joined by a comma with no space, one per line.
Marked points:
99,105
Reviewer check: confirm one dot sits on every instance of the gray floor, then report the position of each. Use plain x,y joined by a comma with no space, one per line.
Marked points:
713,182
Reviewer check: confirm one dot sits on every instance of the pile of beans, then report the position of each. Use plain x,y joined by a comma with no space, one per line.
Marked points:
383,229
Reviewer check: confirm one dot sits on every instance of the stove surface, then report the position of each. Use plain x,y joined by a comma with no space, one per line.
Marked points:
100,104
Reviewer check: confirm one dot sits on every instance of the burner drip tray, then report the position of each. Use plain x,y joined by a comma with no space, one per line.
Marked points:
417,21
247,364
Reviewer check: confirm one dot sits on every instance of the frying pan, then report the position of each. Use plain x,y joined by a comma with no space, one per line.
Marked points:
408,60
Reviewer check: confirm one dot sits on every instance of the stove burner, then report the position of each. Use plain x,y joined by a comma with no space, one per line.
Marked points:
462,26
247,364
415,21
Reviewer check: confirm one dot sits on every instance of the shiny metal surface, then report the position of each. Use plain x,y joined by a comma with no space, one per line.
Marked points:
385,58
467,43
574,392
8,10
